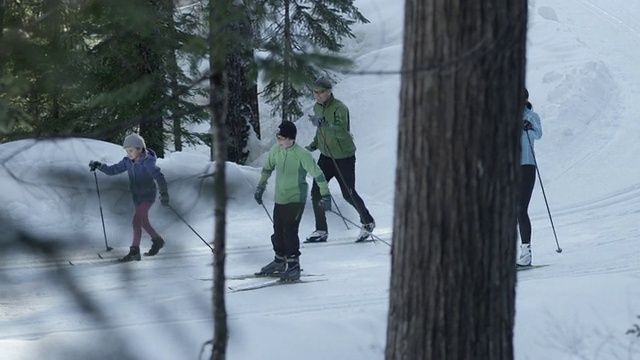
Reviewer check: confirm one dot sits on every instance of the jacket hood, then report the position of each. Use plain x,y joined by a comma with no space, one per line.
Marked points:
151,155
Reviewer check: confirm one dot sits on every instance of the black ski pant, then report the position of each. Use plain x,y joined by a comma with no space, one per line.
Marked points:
346,168
527,180
286,221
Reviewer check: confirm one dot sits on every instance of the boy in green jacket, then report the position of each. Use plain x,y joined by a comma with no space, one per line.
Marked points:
291,163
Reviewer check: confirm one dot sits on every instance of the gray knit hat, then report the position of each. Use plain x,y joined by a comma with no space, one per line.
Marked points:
322,84
134,140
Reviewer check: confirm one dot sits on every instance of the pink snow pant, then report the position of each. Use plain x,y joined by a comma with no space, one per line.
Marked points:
140,221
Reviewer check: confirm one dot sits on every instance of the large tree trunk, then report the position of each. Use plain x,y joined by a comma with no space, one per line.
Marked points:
242,92
453,266
219,13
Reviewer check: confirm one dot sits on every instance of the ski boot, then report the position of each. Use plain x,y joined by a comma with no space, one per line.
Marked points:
525,256
317,236
158,243
277,266
365,231
293,270
134,254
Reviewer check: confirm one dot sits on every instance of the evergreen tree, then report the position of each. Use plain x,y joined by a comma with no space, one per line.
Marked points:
129,68
42,67
242,104
240,85
189,39
301,38
97,68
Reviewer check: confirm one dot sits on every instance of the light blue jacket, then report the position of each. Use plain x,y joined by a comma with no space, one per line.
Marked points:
530,137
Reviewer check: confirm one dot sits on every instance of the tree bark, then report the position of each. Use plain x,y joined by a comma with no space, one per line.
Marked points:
2,54
453,265
219,13
242,96
286,68
1,19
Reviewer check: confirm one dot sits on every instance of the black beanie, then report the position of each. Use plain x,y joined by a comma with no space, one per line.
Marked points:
287,129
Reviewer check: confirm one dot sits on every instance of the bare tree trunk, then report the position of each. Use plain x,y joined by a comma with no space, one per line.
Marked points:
176,121
2,54
177,132
286,76
174,70
453,266
219,11
1,18
242,100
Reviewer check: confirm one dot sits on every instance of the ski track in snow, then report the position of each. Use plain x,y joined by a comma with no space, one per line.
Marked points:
188,262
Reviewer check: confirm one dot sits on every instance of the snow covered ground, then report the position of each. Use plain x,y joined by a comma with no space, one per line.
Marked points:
583,79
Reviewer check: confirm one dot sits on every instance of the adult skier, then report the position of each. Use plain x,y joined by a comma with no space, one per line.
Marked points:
337,159
531,131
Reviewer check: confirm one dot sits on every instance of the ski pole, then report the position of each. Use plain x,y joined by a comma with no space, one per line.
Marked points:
558,250
341,179
359,227
192,229
104,229
267,211
337,208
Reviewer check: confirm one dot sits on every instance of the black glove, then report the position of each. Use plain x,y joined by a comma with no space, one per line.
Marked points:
93,165
325,203
317,121
258,195
527,126
164,199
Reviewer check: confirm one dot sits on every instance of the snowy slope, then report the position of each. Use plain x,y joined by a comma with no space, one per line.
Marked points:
583,79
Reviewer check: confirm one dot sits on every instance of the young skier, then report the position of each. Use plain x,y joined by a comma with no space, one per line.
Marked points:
140,164
531,131
337,158
291,163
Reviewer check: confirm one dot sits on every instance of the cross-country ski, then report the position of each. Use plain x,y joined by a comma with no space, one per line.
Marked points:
269,283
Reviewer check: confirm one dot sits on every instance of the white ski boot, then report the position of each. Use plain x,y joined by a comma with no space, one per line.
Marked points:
525,255
317,236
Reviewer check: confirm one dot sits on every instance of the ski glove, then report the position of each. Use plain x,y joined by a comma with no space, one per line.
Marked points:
164,199
527,126
258,195
93,165
317,121
325,203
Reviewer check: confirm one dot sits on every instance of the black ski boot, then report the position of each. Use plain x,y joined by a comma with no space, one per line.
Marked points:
134,254
293,270
277,266
158,243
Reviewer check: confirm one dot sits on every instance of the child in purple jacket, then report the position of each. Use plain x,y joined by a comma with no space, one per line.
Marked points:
140,165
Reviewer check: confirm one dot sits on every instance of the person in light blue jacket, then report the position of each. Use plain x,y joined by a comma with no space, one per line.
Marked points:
531,131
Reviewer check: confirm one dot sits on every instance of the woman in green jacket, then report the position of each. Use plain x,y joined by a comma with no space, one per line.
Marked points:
291,163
